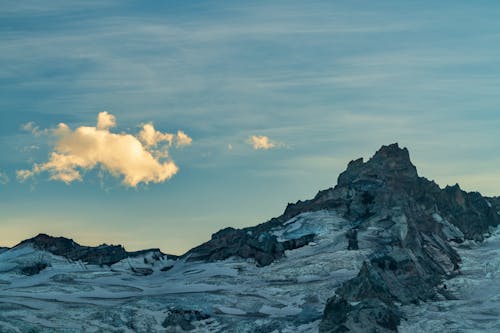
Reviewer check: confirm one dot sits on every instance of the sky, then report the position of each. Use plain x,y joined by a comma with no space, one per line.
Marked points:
157,123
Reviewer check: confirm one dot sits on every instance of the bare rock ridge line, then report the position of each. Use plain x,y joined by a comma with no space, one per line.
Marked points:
99,255
263,247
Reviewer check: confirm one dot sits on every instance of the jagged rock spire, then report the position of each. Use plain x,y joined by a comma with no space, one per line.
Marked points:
390,163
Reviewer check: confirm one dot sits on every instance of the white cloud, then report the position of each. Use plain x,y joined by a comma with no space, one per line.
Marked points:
261,142
32,128
151,137
29,148
23,175
135,158
105,121
183,139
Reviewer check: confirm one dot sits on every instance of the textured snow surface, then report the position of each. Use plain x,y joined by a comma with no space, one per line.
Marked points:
477,292
286,296
320,223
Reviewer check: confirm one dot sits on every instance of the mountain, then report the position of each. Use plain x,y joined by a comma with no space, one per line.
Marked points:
100,255
367,255
406,222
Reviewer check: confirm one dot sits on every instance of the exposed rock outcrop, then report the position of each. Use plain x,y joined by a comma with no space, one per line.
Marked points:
183,320
369,315
34,268
391,173
408,222
264,248
100,255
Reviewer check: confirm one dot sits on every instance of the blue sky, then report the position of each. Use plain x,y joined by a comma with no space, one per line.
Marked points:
326,81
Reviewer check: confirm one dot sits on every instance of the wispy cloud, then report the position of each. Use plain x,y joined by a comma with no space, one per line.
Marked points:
151,137
122,155
4,179
54,7
183,139
32,128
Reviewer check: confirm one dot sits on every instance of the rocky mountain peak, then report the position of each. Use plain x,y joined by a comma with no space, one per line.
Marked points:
100,255
51,244
390,163
404,221
392,151
394,158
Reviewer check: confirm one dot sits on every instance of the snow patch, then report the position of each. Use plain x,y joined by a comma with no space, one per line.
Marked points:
321,223
450,231
230,311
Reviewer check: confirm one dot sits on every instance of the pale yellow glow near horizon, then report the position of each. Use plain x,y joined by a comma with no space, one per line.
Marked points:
145,236
11,236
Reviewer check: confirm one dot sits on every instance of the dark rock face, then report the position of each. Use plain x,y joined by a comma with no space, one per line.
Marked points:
352,238
99,255
470,212
166,268
296,243
408,222
183,319
103,255
55,245
245,243
34,269
369,315
389,179
157,254
142,271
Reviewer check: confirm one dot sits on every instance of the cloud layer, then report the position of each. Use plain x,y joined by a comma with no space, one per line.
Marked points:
138,159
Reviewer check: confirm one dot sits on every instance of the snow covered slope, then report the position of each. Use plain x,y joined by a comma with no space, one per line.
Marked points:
235,294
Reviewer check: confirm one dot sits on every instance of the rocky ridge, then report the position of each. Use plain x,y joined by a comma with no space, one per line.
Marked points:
99,255
264,248
413,222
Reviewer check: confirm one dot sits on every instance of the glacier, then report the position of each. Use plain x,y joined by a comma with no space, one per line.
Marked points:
286,296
